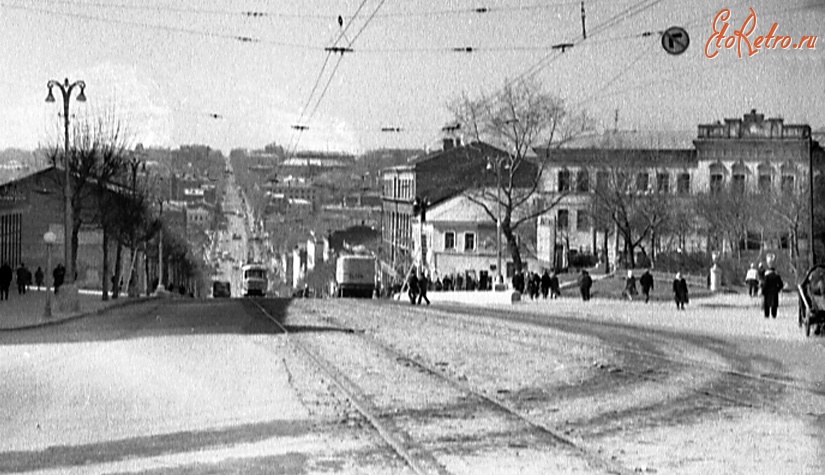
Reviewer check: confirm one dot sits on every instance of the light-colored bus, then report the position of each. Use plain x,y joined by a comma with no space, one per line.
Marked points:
254,278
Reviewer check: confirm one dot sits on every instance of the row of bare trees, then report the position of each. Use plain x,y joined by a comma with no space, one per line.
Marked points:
523,115
111,193
728,218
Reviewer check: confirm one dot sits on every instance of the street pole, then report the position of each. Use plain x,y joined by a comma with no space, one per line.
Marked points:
160,250
66,91
498,224
49,238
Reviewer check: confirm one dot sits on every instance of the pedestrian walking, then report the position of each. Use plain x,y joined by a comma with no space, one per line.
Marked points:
518,282
423,284
6,276
59,273
585,283
752,280
680,291
771,287
38,277
630,286
412,287
545,284
23,277
534,286
646,282
555,288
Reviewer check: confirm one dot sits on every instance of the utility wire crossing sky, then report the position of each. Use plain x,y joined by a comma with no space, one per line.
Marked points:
362,74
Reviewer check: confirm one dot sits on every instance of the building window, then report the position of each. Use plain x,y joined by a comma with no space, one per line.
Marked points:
765,183
788,183
563,219
663,183
642,181
449,240
738,183
564,181
601,180
683,183
717,182
582,220
469,241
582,181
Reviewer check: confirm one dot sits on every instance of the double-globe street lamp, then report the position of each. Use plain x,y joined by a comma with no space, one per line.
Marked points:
66,89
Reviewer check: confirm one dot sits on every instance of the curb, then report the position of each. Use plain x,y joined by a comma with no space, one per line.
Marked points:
76,316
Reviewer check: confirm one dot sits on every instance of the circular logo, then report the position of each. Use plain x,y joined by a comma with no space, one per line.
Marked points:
675,40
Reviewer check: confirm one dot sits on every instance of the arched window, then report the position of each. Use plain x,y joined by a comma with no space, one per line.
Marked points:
739,178
717,177
788,183
765,180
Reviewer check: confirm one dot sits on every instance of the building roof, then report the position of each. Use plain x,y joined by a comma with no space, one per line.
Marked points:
446,173
636,139
603,156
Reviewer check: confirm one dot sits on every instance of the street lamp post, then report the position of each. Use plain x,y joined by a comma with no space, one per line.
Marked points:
66,91
497,166
50,238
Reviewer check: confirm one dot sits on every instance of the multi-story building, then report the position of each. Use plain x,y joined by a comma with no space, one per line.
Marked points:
742,154
431,178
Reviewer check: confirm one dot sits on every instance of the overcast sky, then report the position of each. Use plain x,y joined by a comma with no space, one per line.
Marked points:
176,72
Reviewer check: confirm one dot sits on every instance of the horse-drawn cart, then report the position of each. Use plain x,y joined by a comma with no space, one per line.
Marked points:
812,300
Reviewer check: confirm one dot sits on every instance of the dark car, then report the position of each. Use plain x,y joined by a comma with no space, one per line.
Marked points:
221,289
236,236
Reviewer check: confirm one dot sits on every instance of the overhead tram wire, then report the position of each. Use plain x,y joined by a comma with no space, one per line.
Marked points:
168,28
554,55
317,16
300,127
340,58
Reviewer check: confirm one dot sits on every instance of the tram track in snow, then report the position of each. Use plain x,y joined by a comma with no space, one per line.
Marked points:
418,458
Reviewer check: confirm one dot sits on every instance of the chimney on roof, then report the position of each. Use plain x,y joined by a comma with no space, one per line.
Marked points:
448,143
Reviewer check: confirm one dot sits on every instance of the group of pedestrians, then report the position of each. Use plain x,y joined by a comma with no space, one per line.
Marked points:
25,279
766,282
417,284
647,284
546,284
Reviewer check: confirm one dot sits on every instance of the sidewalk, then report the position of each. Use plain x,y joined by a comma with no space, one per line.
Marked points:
27,310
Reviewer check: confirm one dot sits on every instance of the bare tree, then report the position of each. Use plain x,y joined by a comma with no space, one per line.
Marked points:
95,161
523,116
624,200
727,215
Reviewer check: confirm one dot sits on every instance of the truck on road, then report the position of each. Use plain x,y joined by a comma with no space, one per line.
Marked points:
355,276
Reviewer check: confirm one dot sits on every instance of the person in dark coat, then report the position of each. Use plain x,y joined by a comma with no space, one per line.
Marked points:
555,287
545,284
680,291
585,283
770,292
423,284
38,277
23,276
58,274
646,282
534,286
412,287
630,286
6,276
518,282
